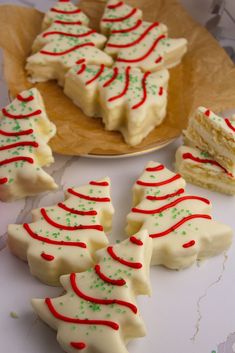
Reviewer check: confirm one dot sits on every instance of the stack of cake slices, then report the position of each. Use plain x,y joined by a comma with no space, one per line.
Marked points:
125,81
208,157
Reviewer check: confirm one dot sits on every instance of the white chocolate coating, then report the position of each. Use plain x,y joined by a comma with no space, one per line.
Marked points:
200,168
63,238
92,297
24,134
127,99
181,225
64,11
213,134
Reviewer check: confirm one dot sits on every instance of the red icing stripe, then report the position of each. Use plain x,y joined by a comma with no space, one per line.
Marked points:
228,122
171,204
155,169
114,6
65,12
160,183
89,44
120,19
89,198
178,224
136,241
19,144
100,71
50,241
151,49
20,116
146,74
204,160
99,183
73,211
69,34
127,81
160,92
99,301
70,228
115,73
17,159
114,282
158,60
189,244
207,112
82,69
61,317
3,181
78,345
47,257
129,29
164,197
136,265
80,61
68,22
19,133
23,99
137,41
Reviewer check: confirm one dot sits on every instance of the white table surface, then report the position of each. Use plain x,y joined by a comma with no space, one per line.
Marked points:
190,311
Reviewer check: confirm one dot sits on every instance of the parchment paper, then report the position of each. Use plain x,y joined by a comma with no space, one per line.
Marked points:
205,77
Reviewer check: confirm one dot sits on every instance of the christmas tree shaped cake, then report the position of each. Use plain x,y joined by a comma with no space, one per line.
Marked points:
117,12
24,134
63,45
127,99
180,225
63,238
134,42
98,313
64,11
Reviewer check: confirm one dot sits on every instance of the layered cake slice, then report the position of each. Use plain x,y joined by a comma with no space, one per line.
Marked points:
200,168
213,134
